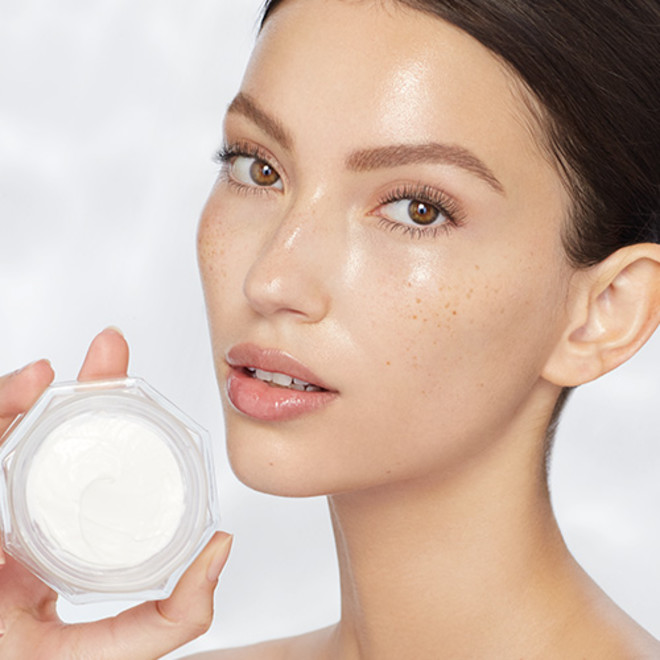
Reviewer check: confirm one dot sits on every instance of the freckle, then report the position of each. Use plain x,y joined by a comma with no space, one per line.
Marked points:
271,463
388,363
454,313
481,385
425,320
477,267
447,305
414,316
419,300
409,284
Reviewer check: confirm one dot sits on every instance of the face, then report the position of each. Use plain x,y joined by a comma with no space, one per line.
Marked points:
386,228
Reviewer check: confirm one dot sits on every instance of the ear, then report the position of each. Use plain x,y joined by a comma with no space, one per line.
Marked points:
613,308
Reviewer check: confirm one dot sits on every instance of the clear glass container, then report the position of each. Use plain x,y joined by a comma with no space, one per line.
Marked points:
107,490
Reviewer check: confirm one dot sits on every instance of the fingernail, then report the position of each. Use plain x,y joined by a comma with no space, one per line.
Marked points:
3,628
219,560
27,366
114,328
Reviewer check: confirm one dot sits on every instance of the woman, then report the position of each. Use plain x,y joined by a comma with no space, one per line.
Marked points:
424,234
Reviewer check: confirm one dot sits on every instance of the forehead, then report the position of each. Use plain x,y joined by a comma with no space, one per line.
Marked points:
343,74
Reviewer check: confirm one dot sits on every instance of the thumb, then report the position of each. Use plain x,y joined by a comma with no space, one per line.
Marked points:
155,628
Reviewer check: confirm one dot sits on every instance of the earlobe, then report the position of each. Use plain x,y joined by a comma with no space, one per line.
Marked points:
614,308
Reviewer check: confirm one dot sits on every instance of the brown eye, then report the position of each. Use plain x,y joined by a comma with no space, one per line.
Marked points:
263,174
422,213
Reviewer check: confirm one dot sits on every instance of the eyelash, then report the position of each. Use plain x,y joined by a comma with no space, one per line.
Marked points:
428,195
226,154
417,192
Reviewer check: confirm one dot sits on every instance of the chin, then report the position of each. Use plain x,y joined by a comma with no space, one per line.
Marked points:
267,465
275,478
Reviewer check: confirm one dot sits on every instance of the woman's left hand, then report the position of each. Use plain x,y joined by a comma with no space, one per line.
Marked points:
29,625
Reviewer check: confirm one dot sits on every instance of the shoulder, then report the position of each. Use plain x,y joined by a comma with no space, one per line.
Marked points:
640,645
300,647
613,635
271,650
263,651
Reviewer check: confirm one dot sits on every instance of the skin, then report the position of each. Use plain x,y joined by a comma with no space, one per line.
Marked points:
447,351
441,323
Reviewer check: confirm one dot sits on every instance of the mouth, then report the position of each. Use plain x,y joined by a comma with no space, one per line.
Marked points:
271,385
277,379
275,367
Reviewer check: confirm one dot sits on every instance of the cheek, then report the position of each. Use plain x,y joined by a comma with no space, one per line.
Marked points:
218,255
464,337
211,246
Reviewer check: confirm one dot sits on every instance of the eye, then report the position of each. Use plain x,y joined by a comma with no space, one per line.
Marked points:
254,171
248,167
418,211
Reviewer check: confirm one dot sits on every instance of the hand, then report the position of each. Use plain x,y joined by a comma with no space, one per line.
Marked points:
29,626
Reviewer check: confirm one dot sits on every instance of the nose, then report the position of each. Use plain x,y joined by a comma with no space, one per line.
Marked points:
289,276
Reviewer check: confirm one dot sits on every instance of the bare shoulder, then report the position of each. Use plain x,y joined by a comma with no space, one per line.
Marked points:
637,644
271,650
300,647
611,634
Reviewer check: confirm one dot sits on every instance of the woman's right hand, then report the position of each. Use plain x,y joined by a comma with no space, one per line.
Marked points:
29,625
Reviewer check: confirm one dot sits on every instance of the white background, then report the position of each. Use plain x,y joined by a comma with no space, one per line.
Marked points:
110,112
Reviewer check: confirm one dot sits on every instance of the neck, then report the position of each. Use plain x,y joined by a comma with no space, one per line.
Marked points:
451,566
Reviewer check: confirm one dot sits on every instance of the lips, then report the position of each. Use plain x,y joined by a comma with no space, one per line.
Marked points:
270,385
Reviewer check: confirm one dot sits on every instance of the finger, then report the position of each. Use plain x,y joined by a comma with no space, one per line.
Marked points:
21,592
153,629
107,356
19,390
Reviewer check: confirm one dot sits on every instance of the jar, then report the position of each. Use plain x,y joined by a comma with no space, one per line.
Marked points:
107,490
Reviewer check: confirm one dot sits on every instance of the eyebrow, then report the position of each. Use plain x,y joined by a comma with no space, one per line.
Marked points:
365,160
432,152
244,105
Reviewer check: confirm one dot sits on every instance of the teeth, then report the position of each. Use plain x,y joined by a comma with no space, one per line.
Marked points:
303,386
264,375
283,380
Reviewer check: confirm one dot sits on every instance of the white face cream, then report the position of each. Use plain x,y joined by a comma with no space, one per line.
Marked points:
106,488
107,491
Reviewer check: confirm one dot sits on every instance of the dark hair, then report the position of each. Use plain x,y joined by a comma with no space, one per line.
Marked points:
594,67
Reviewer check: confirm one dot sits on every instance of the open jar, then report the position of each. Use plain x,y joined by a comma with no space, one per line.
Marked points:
107,490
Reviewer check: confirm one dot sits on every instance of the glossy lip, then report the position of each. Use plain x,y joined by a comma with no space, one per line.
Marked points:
264,402
270,359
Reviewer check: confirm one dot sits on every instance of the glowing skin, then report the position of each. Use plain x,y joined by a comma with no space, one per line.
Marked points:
387,228
426,338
